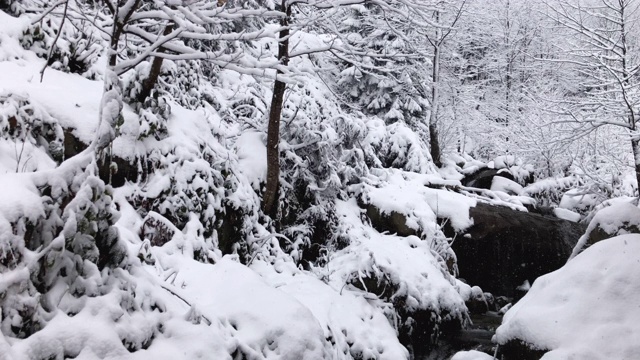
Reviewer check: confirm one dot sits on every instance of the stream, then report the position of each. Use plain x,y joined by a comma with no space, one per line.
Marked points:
476,337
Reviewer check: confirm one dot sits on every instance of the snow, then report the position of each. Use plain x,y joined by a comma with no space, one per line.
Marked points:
585,310
407,262
20,198
505,185
183,299
357,329
567,214
550,185
410,196
612,220
472,355
576,200
82,97
267,323
252,157
504,162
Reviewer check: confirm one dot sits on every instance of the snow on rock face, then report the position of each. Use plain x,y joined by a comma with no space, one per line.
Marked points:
617,219
402,270
409,195
252,157
588,309
505,185
267,323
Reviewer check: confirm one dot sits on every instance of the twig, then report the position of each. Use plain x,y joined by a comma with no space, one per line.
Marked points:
185,301
53,46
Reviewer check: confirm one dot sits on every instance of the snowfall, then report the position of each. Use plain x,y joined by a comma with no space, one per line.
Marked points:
184,299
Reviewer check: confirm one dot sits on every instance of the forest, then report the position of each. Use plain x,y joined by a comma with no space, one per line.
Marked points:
319,179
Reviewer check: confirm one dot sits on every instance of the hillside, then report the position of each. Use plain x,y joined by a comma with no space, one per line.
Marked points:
138,221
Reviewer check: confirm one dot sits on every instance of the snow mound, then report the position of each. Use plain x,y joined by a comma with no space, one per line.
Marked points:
266,322
409,195
588,309
505,185
355,328
578,201
567,214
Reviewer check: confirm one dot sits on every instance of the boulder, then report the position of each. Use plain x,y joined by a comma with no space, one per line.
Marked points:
393,222
588,309
477,303
505,247
618,219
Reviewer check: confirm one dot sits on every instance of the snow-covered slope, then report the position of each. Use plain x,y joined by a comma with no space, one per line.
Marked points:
88,271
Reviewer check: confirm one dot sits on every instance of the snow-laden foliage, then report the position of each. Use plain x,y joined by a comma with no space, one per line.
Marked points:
189,163
31,138
133,147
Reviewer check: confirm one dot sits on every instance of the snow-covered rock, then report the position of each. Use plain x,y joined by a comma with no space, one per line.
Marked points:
404,271
585,310
505,185
618,219
472,355
567,214
505,241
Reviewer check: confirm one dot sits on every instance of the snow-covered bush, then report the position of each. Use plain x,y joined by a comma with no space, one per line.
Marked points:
75,52
28,134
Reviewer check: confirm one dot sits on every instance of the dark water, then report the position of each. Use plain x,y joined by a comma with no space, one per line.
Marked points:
476,337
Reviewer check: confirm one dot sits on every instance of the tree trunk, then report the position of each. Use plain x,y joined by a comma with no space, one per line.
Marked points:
150,82
270,198
434,143
635,146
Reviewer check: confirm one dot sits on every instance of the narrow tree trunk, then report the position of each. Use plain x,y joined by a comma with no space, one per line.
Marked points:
433,117
154,73
270,198
635,145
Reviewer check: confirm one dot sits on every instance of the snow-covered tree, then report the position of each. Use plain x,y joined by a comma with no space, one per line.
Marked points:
602,51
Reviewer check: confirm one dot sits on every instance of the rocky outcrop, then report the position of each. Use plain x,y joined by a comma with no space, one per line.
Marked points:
504,248
393,222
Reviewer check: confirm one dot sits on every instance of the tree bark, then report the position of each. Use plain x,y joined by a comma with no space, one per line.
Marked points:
635,146
154,73
271,194
434,142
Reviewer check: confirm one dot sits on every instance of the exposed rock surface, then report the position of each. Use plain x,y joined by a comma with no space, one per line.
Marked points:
505,247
